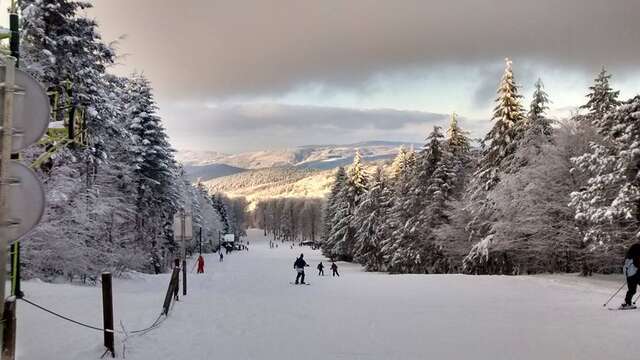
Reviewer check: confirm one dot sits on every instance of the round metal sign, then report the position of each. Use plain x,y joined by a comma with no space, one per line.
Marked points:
31,110
26,200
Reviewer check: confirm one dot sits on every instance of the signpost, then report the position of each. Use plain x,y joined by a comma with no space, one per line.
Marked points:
183,228
25,113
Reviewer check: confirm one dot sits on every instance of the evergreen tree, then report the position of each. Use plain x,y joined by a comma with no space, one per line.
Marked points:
409,247
343,232
602,100
509,124
370,220
539,105
403,168
401,162
330,210
155,170
64,50
433,184
607,206
498,158
219,206
357,178
457,139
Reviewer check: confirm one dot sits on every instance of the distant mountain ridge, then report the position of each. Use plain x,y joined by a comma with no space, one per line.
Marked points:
210,171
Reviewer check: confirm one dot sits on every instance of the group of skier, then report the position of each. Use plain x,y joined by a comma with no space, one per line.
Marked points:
334,269
300,264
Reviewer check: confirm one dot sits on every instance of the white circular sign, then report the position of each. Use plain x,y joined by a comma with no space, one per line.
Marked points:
26,200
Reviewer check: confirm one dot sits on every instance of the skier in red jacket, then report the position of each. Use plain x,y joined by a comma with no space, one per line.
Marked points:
200,265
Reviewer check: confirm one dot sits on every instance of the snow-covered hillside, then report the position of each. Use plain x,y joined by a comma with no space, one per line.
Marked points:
274,183
280,182
245,308
314,156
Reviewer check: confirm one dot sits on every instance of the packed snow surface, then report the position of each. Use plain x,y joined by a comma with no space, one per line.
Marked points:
246,308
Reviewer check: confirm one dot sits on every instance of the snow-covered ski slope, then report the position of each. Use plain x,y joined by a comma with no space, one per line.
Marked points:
245,308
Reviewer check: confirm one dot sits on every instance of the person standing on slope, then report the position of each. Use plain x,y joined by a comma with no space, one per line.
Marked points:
320,269
631,266
221,255
334,268
299,266
200,263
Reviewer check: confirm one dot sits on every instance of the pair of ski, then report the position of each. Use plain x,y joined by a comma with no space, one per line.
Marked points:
292,283
630,307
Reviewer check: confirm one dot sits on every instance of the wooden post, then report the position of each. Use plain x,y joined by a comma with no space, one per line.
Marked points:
9,333
170,291
184,277
176,281
107,313
15,270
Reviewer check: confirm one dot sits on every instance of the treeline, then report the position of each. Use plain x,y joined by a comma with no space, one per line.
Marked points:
111,197
289,219
233,213
535,197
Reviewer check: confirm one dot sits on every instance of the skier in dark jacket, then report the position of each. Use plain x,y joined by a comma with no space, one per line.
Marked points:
334,268
299,265
320,269
632,272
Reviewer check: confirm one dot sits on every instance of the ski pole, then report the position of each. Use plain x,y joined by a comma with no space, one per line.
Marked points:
614,294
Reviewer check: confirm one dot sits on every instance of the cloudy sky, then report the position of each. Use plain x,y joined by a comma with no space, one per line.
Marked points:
243,75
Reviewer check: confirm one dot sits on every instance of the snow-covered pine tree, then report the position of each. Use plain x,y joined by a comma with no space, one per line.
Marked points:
537,133
357,177
219,205
155,170
608,205
405,159
343,231
498,157
451,236
508,127
457,138
408,248
539,105
602,100
403,169
435,181
63,49
329,210
371,222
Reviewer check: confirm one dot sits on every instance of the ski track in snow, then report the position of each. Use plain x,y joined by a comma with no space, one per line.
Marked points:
245,308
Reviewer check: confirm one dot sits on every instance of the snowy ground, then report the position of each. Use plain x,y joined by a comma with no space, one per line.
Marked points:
245,308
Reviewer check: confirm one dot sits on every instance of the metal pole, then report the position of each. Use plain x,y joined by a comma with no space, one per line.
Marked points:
200,240
5,158
184,254
184,277
14,40
615,293
183,227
